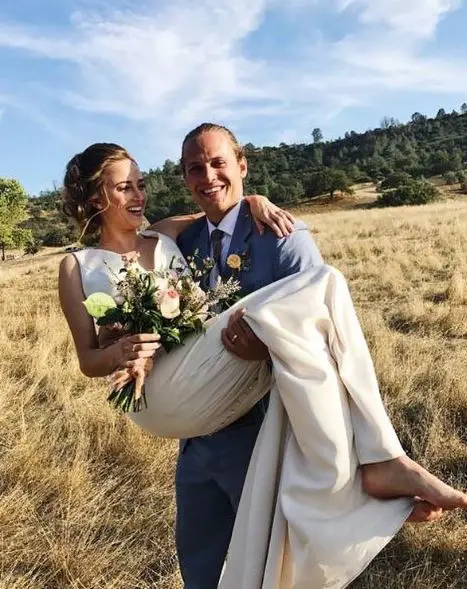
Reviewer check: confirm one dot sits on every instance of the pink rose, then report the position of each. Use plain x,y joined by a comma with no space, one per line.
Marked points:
170,304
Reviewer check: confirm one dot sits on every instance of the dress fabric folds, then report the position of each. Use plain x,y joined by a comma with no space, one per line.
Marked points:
304,521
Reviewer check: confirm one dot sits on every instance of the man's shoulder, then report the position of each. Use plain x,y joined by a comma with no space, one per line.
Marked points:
270,240
191,232
301,226
291,254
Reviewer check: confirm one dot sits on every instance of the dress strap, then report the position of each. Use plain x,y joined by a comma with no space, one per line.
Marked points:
149,233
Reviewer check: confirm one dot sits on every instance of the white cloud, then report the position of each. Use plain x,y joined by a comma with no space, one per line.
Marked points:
134,64
388,51
415,17
178,62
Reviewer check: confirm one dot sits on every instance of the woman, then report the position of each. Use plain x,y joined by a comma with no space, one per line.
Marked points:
289,515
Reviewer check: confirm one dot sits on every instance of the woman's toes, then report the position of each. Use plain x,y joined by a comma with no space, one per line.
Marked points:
425,512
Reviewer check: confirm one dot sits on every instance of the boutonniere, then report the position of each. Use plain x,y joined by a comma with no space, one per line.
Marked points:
239,262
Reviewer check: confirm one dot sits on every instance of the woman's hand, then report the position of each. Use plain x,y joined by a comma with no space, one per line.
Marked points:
241,341
123,376
265,213
131,349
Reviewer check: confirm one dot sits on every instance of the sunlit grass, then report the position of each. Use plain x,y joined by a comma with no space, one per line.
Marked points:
86,498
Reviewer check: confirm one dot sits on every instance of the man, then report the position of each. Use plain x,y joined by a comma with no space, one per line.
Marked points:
211,470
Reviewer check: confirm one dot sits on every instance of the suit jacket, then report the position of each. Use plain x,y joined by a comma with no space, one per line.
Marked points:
269,259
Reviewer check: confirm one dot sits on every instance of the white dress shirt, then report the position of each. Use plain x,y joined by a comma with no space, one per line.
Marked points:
227,225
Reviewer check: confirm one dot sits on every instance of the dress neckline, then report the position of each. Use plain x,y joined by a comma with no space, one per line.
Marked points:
155,252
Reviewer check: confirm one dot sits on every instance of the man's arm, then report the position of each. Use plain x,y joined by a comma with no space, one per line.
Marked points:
296,253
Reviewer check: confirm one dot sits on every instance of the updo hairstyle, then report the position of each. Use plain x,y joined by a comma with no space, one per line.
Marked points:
84,178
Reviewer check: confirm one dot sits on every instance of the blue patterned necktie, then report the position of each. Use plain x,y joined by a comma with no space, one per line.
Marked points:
216,243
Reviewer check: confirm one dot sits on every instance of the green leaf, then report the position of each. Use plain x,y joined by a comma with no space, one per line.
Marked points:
98,303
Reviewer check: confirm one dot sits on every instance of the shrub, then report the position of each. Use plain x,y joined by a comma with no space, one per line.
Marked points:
395,180
56,237
32,247
450,178
462,179
416,192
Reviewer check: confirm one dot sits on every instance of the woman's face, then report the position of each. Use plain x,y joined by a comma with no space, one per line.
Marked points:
213,173
124,187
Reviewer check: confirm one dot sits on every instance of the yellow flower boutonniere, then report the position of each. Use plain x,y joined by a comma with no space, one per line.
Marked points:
234,261
238,262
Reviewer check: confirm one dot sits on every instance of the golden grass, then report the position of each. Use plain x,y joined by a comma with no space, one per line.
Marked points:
86,499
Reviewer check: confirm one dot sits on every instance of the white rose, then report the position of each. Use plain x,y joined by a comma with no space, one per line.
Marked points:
170,304
161,285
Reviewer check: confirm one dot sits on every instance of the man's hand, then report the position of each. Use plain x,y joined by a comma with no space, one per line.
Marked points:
241,341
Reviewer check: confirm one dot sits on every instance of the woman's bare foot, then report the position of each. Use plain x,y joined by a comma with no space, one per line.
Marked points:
424,512
402,477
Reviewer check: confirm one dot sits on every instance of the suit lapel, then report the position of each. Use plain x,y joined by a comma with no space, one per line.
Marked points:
202,248
202,242
239,242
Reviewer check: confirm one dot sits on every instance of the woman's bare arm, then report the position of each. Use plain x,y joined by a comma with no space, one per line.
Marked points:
264,213
174,226
94,361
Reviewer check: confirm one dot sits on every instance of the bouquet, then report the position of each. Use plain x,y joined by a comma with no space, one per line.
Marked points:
170,303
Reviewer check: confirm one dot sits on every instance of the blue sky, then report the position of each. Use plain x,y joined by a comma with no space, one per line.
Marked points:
143,73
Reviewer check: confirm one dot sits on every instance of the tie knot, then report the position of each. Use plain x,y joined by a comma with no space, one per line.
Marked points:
217,235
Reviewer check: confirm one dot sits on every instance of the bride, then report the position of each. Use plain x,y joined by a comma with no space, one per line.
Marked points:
329,484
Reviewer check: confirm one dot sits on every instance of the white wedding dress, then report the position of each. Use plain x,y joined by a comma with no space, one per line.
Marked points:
304,521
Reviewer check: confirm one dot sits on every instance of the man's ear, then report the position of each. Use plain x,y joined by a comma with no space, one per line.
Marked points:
243,167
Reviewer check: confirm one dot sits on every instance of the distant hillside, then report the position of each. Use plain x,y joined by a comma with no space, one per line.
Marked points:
288,174
48,223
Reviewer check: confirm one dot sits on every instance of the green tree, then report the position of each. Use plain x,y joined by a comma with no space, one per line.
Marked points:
395,180
388,122
13,211
464,108
317,135
441,162
56,237
337,180
418,118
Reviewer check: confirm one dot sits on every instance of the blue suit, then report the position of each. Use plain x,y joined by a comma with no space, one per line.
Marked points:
211,470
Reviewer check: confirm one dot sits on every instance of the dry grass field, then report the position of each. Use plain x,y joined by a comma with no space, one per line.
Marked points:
86,499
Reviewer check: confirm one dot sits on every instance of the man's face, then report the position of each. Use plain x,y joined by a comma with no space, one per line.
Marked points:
213,173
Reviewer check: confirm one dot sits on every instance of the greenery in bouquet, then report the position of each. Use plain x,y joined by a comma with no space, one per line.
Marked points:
170,303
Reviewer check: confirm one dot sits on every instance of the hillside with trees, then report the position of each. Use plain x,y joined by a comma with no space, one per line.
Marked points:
288,174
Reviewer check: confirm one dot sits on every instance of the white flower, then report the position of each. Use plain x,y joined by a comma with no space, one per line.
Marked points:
197,291
161,285
170,304
119,299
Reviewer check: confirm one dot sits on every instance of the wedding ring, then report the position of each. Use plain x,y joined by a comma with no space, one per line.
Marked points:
234,338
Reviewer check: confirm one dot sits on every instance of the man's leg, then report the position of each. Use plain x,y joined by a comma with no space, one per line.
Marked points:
205,518
234,462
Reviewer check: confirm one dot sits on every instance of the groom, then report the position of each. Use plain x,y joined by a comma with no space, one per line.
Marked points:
211,470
